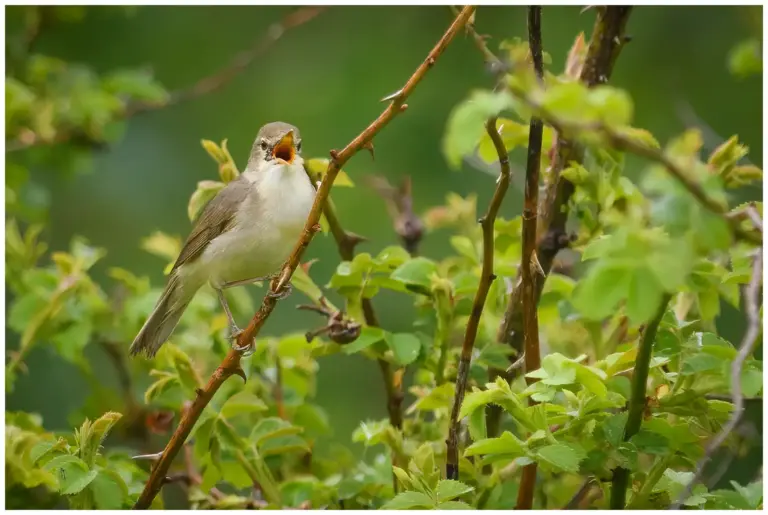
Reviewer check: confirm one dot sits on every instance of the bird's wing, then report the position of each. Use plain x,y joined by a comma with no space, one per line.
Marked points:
216,218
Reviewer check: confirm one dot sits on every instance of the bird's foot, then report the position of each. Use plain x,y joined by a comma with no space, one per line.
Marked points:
283,293
244,350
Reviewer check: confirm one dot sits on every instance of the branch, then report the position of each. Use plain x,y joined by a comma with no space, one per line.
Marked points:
621,142
529,264
607,41
752,302
636,402
202,87
486,278
231,364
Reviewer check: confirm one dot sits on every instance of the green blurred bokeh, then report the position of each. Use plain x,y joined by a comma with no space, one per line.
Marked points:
327,77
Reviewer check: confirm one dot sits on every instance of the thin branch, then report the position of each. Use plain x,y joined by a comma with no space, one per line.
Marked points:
231,364
486,278
605,44
580,495
202,87
529,264
622,142
637,402
748,342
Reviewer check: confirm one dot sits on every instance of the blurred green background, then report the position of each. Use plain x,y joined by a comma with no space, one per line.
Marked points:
327,77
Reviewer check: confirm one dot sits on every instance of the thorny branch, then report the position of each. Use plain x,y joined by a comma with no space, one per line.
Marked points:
605,44
529,263
748,342
486,278
202,87
231,364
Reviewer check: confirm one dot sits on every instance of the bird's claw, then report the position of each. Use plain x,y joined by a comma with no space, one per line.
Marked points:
244,350
283,293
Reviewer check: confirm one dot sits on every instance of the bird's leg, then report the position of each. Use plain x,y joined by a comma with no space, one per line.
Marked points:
234,331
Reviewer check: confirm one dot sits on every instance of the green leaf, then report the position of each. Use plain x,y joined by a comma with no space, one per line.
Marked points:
597,295
241,403
417,271
368,336
272,428
318,166
409,500
644,296
746,59
476,424
614,106
454,505
568,101
466,123
72,472
226,434
613,428
405,347
506,444
448,489
563,457
109,490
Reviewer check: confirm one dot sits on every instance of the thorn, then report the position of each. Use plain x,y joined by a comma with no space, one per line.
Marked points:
334,154
316,228
152,457
517,364
403,107
391,96
431,61
493,277
240,373
587,8
481,220
199,392
368,145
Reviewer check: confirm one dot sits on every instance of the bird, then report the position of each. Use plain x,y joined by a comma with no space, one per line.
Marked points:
242,236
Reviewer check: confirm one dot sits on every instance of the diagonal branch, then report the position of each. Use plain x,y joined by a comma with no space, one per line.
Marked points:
529,263
752,302
231,364
203,86
486,278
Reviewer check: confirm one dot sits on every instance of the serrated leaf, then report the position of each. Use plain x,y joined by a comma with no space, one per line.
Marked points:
109,490
506,444
409,500
454,505
563,457
448,489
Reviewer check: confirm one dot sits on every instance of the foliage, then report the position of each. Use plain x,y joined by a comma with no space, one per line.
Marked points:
256,444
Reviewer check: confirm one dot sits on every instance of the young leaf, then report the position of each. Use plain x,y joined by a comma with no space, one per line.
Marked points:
506,444
563,457
241,403
405,347
448,490
408,501
417,272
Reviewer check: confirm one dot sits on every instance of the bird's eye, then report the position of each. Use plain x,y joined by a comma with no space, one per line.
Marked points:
263,145
298,146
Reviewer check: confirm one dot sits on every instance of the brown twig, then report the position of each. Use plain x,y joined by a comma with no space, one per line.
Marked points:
752,304
202,87
486,278
605,44
529,264
399,203
580,495
231,364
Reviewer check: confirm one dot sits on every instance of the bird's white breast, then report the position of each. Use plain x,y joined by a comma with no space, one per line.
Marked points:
266,226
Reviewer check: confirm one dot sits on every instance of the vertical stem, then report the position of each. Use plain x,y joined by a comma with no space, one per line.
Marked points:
529,266
486,278
636,402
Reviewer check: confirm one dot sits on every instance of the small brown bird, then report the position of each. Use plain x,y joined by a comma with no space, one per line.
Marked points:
242,236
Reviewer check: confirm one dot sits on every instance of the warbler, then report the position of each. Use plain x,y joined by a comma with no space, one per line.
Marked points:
242,236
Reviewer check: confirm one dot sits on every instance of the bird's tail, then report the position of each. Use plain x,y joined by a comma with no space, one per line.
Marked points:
164,318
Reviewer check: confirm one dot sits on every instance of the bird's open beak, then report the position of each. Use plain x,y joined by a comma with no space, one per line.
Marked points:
284,151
